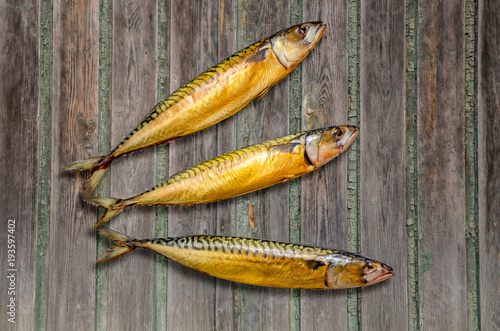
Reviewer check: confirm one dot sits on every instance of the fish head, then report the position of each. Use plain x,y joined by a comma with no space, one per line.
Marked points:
323,145
292,45
357,271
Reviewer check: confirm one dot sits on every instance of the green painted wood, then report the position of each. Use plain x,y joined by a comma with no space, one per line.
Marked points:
382,153
324,191
295,186
194,32
471,164
133,95
44,163
353,155
19,87
162,156
70,269
440,145
104,146
489,163
412,224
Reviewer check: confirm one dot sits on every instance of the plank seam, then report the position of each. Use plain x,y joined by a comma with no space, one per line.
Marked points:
162,152
471,162
104,146
44,162
294,187
242,136
413,23
353,155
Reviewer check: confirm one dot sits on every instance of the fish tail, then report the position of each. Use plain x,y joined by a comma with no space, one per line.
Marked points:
94,179
113,206
97,166
123,244
88,164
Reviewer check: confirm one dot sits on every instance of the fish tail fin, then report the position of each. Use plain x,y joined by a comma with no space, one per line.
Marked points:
93,180
123,244
97,166
113,206
88,164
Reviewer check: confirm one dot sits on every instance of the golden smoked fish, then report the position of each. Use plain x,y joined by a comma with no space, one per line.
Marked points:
214,95
241,171
259,262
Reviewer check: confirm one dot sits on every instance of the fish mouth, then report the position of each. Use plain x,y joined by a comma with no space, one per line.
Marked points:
349,139
317,30
384,272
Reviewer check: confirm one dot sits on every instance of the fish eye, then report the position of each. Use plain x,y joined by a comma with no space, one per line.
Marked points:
303,30
338,133
370,265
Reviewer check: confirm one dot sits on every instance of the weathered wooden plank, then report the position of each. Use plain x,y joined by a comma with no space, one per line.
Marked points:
324,192
193,39
255,307
74,136
226,142
133,95
383,186
441,197
489,163
19,33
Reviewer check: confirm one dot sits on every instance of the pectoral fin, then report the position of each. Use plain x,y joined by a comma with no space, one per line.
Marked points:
314,264
285,148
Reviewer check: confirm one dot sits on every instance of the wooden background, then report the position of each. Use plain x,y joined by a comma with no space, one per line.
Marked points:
419,189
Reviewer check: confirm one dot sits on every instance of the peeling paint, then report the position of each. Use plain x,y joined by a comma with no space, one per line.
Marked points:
161,220
413,25
44,164
353,155
471,164
104,146
294,187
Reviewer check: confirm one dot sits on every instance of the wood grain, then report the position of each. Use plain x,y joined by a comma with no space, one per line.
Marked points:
256,307
440,131
324,192
74,137
383,187
194,34
130,281
226,141
489,163
19,128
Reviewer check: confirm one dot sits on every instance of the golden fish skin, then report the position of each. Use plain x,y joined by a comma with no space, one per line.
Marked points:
259,262
241,171
214,95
